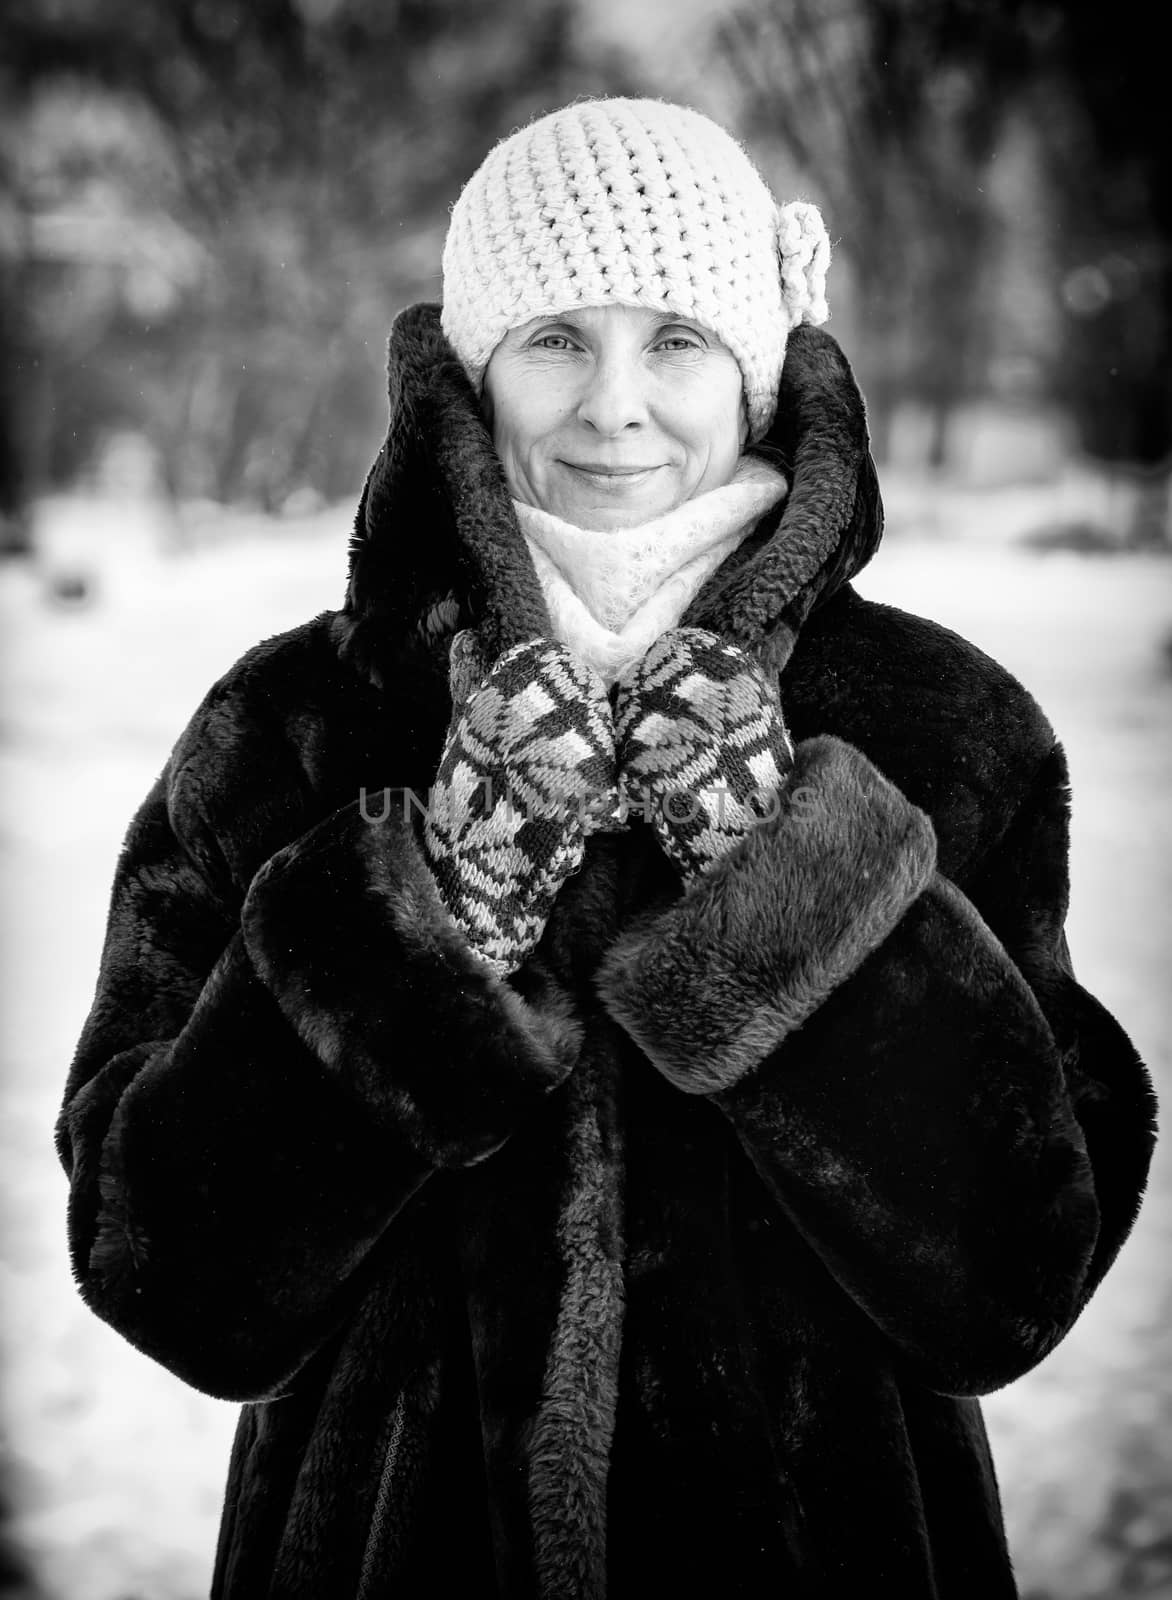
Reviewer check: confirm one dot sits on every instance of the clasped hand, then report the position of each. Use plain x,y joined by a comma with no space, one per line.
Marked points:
537,760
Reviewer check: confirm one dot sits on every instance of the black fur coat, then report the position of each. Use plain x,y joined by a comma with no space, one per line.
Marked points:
674,1264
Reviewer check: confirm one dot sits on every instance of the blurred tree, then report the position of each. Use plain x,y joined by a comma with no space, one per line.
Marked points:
888,107
224,205
17,372
896,110
1101,115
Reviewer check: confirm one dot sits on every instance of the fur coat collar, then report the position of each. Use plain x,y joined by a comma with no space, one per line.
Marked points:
436,543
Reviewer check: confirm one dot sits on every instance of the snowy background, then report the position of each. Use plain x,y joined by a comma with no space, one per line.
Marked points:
114,1469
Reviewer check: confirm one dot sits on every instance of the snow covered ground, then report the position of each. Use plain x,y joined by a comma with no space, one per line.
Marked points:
113,1467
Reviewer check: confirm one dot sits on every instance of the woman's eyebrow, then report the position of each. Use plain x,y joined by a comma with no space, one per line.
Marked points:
675,319
542,325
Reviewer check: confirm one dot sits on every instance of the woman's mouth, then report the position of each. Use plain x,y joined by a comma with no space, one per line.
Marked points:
611,479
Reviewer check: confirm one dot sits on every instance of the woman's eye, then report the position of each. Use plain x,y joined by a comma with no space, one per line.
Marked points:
552,341
680,341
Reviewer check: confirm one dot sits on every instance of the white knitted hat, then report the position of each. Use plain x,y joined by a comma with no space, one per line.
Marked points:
635,202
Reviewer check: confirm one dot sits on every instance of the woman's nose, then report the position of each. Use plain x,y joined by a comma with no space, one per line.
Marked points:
613,399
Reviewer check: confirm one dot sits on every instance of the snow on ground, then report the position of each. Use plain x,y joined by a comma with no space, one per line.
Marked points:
115,1467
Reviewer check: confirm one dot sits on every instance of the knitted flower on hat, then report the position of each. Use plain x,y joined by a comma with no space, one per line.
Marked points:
633,202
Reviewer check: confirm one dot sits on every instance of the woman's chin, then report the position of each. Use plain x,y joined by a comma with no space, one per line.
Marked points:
613,513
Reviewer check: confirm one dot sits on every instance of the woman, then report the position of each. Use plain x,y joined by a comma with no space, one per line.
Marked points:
585,1047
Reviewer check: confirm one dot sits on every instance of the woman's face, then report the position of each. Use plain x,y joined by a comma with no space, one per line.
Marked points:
610,415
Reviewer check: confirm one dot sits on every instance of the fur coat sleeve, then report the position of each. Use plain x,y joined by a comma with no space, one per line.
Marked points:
254,1050
959,1130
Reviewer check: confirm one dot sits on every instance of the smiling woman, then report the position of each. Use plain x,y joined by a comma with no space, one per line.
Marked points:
615,414
620,1175
608,420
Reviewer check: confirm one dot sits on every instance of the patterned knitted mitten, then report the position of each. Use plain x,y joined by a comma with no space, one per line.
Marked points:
703,749
527,773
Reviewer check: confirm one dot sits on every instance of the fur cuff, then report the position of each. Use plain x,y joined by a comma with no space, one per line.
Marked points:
346,928
711,986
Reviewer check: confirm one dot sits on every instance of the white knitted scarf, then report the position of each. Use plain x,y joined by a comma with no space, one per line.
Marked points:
611,593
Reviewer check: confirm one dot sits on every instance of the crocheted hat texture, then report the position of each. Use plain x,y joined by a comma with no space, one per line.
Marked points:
633,202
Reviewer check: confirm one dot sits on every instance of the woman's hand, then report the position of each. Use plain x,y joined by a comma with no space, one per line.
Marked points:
528,771
703,749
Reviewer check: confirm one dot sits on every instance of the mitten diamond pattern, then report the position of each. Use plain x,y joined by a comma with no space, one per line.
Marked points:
703,748
527,773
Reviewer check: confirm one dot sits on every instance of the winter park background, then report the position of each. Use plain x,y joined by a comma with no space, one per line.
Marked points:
208,216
